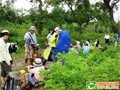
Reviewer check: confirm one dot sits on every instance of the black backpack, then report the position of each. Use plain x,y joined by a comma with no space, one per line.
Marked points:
12,84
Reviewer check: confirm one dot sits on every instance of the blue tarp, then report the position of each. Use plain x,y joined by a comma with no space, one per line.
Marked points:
64,41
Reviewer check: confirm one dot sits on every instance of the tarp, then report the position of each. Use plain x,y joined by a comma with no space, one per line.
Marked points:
63,43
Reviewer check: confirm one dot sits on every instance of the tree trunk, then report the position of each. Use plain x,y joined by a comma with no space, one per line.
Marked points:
110,11
74,16
113,26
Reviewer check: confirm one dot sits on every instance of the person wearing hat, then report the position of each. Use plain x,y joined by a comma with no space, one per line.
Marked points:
30,41
34,70
53,42
52,45
5,58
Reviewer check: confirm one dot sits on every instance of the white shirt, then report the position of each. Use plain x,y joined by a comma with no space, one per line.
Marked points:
4,53
107,37
48,37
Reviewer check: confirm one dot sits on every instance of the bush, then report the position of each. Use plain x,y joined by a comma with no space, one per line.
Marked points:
78,69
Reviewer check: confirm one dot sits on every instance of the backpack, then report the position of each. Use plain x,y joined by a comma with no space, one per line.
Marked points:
12,84
63,43
31,81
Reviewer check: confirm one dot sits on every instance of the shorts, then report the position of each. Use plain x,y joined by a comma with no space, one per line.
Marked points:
5,69
29,53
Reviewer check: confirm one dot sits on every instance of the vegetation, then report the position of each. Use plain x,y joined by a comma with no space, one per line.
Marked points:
84,21
78,69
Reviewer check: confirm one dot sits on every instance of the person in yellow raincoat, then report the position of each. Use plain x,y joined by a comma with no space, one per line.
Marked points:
50,49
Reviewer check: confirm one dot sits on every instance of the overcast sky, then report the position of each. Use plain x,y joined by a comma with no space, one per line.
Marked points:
25,4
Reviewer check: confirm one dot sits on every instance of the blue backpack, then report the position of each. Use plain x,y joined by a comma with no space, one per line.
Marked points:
64,41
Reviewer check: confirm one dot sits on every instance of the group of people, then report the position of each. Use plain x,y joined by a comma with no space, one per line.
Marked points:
30,41
87,45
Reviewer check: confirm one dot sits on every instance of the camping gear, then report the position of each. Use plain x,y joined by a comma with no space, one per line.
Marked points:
63,43
13,81
31,80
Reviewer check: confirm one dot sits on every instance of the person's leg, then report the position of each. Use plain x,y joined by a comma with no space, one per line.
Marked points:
30,57
44,61
26,57
53,56
115,44
3,75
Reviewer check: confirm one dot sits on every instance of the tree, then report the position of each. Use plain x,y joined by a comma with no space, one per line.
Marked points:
57,15
110,5
79,9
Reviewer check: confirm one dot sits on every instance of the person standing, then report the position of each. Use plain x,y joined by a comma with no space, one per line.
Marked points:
30,42
116,39
53,43
107,38
5,58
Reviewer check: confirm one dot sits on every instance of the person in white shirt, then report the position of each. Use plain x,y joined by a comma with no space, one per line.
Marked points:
30,42
107,38
5,58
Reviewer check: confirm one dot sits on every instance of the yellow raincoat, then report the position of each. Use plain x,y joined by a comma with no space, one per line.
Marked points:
53,40
46,53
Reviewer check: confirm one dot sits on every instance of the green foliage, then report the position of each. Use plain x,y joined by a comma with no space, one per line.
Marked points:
78,69
17,31
98,27
8,14
57,15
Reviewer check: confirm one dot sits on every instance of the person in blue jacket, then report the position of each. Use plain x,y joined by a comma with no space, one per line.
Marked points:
116,39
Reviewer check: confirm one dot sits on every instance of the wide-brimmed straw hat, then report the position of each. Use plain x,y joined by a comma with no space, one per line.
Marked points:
37,62
5,32
15,75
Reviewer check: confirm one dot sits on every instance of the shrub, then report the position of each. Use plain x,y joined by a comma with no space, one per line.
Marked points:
78,69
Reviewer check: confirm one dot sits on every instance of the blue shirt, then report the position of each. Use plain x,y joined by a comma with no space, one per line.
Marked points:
86,49
116,37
